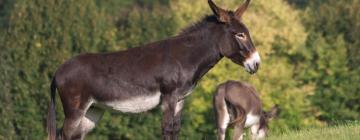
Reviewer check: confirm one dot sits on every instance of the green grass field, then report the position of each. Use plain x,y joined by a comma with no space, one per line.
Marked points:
349,131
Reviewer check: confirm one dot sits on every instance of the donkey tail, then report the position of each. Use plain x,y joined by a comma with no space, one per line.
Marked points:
239,117
236,121
51,116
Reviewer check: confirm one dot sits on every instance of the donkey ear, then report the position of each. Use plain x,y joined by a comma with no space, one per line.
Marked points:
273,112
240,11
221,14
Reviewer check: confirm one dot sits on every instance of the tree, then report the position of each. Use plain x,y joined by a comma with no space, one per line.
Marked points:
331,58
38,37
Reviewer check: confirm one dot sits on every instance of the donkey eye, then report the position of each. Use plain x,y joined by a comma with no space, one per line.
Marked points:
241,35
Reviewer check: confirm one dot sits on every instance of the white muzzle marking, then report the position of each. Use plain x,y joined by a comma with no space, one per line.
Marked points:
251,62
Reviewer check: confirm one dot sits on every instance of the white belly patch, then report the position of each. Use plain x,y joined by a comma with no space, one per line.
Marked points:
251,119
136,104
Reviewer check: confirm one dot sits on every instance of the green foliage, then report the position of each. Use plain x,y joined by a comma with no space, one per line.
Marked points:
330,25
298,71
330,59
331,76
41,35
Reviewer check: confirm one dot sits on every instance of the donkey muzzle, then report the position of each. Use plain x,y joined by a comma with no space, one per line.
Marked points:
252,63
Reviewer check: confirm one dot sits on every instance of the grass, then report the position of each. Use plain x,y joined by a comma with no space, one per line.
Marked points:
349,131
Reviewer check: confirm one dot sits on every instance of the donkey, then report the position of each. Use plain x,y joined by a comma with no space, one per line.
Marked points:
239,103
138,79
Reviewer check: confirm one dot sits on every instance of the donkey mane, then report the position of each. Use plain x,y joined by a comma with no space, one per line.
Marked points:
200,25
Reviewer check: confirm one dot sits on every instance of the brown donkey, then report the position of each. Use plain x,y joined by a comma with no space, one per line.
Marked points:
238,104
138,79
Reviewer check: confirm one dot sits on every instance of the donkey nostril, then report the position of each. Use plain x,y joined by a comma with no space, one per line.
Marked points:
257,65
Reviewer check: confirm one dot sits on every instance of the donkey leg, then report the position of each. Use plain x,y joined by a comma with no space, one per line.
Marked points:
88,122
239,131
177,119
222,123
239,124
168,107
75,111
254,131
222,117
71,124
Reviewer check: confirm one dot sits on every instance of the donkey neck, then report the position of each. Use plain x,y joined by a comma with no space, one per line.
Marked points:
203,38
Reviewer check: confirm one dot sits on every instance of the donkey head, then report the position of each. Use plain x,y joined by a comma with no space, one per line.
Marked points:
236,43
261,131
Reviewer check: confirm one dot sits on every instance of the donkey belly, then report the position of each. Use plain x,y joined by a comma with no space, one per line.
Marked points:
135,104
251,119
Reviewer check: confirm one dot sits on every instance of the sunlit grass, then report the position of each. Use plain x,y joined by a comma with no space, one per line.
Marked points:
350,131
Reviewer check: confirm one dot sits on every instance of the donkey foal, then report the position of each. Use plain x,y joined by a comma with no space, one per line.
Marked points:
239,103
